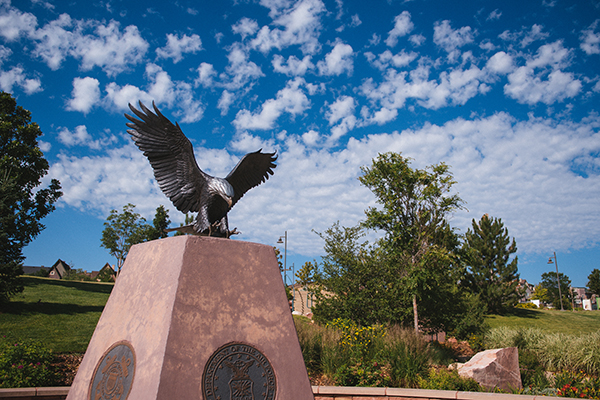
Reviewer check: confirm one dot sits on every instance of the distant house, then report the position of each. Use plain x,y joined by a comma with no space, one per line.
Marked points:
526,289
59,270
303,299
106,272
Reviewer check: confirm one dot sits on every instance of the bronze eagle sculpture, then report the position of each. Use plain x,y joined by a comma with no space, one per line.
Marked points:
190,189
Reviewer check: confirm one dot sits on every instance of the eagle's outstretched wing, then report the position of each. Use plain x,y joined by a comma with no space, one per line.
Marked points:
171,155
252,170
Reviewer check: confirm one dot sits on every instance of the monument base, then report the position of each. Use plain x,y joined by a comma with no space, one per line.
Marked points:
195,318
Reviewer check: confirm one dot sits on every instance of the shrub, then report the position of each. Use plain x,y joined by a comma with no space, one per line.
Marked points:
577,384
351,354
444,379
25,364
528,306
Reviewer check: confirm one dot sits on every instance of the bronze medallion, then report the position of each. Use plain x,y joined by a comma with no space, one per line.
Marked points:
238,371
114,373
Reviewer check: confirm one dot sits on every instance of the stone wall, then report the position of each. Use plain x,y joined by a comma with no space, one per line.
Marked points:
320,392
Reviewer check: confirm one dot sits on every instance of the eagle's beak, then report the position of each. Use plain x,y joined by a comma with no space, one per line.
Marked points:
229,201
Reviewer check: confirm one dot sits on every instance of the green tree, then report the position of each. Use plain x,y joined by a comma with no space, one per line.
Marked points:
549,283
491,273
22,204
593,284
540,293
415,204
355,281
123,230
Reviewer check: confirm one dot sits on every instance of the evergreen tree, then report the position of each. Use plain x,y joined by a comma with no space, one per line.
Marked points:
594,281
491,273
22,204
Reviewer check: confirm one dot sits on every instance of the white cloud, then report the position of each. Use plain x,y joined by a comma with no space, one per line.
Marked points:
5,53
16,77
525,37
245,27
338,61
292,66
81,137
311,138
500,63
341,108
225,101
108,47
161,89
417,40
77,137
533,35
402,27
300,23
496,14
106,182
206,73
340,117
450,39
85,94
54,41
541,78
387,59
240,72
454,86
177,46
590,39
290,99
14,23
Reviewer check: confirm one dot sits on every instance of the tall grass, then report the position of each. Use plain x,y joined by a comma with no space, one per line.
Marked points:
349,355
555,351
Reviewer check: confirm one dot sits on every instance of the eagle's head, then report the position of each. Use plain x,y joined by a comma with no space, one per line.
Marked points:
221,187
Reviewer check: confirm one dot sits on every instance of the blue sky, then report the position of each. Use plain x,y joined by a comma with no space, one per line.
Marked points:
505,92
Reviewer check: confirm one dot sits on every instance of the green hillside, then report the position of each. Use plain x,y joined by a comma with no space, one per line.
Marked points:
551,321
61,314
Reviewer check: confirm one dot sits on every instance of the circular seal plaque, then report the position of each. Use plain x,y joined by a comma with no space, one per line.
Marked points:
114,372
238,371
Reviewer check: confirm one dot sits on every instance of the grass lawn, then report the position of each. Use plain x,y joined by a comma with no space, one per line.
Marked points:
62,314
551,321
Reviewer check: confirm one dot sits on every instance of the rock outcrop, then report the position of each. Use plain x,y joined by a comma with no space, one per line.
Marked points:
494,368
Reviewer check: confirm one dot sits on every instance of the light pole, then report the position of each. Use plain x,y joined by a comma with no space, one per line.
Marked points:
285,269
557,280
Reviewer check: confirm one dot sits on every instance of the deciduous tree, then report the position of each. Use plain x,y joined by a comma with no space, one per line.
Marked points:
549,283
22,204
123,230
415,204
355,281
491,272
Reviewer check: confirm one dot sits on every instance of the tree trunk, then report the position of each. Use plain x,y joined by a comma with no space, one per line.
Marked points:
416,314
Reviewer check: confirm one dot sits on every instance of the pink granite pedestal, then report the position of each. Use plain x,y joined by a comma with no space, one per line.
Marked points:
177,302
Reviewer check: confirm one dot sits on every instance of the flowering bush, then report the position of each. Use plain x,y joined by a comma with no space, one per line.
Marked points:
25,364
577,384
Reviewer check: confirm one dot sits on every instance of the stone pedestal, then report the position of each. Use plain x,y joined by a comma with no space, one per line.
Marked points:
195,318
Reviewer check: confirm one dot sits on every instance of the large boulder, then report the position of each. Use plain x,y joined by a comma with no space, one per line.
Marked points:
494,368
